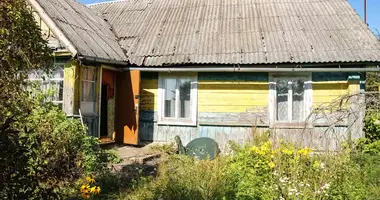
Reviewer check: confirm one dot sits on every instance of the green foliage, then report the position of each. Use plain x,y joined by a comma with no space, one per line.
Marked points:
372,126
42,152
263,171
21,49
49,153
181,177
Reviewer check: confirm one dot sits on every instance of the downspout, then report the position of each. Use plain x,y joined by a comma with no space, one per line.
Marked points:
252,69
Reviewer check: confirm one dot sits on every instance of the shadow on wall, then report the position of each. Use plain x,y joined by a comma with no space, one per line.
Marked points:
125,115
147,115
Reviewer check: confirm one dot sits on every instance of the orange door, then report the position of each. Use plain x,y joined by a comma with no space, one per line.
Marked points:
131,131
127,107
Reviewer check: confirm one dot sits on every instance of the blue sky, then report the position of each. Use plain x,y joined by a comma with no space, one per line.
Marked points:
373,13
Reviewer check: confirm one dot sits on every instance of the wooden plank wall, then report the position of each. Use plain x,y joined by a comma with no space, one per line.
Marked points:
234,106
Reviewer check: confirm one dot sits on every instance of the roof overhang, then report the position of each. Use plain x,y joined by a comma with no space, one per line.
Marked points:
329,67
90,59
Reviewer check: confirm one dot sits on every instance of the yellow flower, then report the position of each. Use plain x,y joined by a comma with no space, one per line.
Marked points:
90,180
316,164
85,187
255,149
287,151
95,189
86,195
271,164
262,152
304,151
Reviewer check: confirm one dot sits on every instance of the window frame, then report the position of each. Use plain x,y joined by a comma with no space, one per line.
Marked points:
308,101
192,120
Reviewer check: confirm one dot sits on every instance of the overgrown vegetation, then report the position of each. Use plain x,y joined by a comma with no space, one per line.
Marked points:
43,153
262,171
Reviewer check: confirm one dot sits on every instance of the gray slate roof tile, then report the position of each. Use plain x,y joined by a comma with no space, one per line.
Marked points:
85,28
159,32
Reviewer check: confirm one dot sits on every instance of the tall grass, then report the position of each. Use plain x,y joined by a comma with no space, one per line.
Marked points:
262,171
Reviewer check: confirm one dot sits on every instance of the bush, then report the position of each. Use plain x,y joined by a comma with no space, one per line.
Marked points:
372,126
263,171
44,153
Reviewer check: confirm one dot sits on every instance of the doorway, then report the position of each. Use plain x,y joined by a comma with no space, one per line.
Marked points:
104,112
107,107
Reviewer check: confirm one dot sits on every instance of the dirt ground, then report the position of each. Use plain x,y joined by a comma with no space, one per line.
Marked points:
137,160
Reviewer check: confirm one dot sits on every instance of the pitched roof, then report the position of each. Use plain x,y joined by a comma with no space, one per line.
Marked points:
158,32
86,29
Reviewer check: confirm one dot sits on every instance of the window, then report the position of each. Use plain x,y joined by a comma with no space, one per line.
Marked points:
290,98
177,99
53,81
88,91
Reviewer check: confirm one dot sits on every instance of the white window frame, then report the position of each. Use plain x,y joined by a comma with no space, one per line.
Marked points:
162,120
85,102
308,96
47,78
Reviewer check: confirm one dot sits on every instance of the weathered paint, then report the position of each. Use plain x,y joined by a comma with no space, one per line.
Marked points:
52,39
71,88
234,107
62,53
150,131
232,92
232,96
98,88
148,94
327,92
318,138
328,87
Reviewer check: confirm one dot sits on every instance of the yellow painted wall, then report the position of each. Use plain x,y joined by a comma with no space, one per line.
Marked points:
327,92
71,88
235,96
243,96
214,96
148,95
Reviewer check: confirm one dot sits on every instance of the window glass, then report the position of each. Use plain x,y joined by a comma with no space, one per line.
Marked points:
178,99
184,98
170,97
88,85
298,100
282,100
53,81
58,73
290,104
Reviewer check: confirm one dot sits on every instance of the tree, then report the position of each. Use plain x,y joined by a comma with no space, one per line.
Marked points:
41,151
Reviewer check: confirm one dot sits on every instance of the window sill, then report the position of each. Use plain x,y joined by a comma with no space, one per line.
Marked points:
177,123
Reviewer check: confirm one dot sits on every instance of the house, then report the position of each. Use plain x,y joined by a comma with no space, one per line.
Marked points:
225,69
86,52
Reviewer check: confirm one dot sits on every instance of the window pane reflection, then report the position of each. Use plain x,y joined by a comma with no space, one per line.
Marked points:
170,97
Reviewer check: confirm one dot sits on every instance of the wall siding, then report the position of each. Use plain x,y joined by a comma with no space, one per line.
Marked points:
148,100
234,106
49,36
